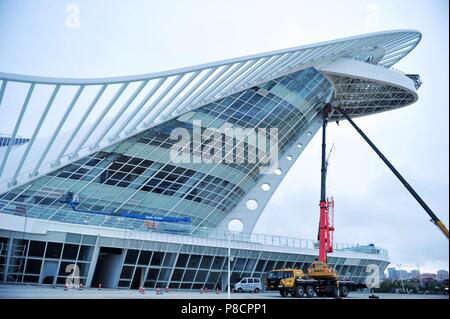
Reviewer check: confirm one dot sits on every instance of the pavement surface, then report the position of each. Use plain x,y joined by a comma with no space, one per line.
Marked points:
40,292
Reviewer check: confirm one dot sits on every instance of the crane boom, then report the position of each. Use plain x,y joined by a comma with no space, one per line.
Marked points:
320,269
325,229
433,217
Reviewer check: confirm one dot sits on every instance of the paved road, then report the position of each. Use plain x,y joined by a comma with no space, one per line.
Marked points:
31,292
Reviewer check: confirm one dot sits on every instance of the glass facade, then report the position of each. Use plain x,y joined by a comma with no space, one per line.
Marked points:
151,264
44,262
137,176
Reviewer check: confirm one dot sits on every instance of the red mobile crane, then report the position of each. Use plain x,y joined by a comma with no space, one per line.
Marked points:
322,279
326,228
320,269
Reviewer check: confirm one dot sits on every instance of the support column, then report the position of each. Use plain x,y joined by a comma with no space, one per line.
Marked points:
93,264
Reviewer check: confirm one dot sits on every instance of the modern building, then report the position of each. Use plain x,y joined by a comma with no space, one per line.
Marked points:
392,273
428,277
93,182
403,274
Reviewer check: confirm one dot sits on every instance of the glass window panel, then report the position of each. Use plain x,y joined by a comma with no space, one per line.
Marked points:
36,248
53,250
157,258
194,261
127,272
33,266
85,253
70,251
131,256
189,275
201,276
144,257
206,262
177,274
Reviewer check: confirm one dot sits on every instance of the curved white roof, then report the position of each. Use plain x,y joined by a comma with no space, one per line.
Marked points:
67,119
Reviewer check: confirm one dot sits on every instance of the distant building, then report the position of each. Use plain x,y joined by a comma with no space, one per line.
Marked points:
428,277
392,273
414,274
442,275
403,274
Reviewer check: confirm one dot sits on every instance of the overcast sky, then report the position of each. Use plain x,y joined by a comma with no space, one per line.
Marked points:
131,37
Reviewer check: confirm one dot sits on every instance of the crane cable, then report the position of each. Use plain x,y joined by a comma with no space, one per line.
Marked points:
434,219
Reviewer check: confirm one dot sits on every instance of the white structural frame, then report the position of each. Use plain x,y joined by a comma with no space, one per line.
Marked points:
171,93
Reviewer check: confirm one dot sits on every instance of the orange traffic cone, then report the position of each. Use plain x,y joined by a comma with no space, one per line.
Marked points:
81,286
217,291
206,290
201,290
167,289
142,290
157,291
65,287
99,287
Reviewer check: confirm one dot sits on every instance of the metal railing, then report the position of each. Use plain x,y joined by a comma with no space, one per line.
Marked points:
284,241
391,69
134,225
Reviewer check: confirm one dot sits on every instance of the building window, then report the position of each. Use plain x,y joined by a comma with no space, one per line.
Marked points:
36,248
53,250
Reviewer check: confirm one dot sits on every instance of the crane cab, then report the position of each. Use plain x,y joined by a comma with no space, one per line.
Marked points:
285,277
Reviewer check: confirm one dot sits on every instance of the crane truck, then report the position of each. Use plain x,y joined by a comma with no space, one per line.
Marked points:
321,279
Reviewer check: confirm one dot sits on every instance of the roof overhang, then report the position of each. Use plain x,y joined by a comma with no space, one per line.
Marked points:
122,107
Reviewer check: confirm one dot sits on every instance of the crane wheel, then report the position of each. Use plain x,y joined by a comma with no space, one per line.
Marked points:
343,291
299,291
309,291
334,292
